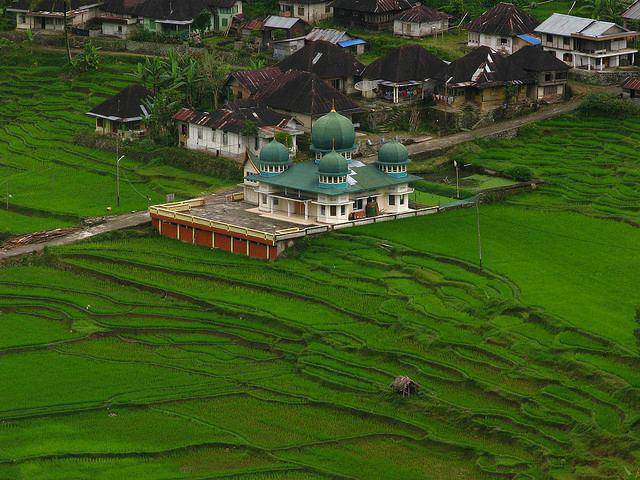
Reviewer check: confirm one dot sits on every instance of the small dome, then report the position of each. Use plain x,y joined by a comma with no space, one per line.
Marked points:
393,153
333,164
333,132
274,153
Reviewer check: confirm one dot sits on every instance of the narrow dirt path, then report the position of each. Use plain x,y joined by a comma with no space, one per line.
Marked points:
115,223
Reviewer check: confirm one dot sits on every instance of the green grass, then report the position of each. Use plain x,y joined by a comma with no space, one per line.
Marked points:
52,181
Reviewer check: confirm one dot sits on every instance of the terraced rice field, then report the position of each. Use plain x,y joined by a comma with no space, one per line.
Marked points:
51,181
144,357
591,165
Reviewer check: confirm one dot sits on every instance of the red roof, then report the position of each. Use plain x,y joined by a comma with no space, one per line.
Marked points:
255,24
631,83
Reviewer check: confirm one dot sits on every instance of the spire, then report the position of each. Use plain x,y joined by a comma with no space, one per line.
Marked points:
333,105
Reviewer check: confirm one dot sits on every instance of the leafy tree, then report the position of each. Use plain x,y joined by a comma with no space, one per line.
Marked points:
250,128
214,74
162,107
149,73
202,21
607,10
88,59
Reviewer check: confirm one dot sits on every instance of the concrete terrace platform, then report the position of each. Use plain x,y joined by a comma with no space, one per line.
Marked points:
242,214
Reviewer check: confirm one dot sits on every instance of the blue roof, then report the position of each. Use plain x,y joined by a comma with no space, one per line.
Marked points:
530,39
351,43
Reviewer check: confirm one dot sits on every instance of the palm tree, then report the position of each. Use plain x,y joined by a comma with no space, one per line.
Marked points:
607,10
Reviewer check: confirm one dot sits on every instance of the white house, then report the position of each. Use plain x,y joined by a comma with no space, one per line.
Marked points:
504,28
235,130
311,11
587,43
420,21
49,14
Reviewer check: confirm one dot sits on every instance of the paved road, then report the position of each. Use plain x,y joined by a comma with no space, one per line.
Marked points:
115,223
442,143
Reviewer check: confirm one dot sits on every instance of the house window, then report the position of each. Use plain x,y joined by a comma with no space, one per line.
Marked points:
333,210
264,199
275,201
343,210
323,210
401,199
100,122
327,9
566,41
184,128
357,205
547,77
561,75
300,10
549,38
503,41
392,199
225,138
119,28
256,142
200,133
224,22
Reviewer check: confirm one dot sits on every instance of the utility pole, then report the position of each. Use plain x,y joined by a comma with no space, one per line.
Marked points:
478,227
455,164
118,180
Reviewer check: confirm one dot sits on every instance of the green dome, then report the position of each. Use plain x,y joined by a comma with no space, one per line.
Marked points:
274,153
333,132
333,164
393,153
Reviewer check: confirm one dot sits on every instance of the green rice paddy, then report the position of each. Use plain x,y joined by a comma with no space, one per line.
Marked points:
137,356
52,181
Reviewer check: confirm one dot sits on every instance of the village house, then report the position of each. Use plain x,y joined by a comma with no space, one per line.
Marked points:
420,21
333,188
283,48
586,43
247,83
336,66
306,97
119,18
631,88
277,28
549,72
49,14
479,85
235,130
504,28
371,14
172,17
311,11
124,114
403,74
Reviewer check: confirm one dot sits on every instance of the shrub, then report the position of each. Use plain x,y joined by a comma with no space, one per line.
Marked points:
608,105
519,173
87,60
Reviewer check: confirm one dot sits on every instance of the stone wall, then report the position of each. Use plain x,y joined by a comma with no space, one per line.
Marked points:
601,78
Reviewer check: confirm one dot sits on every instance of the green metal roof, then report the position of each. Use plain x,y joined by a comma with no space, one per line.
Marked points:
333,164
361,178
333,132
274,153
393,153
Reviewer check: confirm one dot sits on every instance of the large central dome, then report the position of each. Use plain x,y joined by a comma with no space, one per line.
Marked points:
333,132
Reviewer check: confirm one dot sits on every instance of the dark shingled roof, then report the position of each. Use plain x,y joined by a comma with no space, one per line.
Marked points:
373,6
121,7
484,67
232,117
49,5
254,80
533,58
409,62
178,10
421,14
324,59
298,91
125,104
503,19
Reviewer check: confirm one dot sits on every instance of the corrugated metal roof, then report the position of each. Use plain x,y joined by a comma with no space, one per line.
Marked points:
567,25
328,35
351,43
275,21
530,39
633,12
631,83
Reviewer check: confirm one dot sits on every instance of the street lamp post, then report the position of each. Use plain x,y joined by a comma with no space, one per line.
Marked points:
118,180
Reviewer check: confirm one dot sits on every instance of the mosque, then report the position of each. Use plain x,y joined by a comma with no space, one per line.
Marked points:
333,188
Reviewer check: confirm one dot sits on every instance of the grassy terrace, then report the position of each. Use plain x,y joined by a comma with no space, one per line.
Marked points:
52,181
136,356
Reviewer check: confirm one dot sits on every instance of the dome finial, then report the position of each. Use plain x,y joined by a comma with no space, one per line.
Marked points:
333,104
